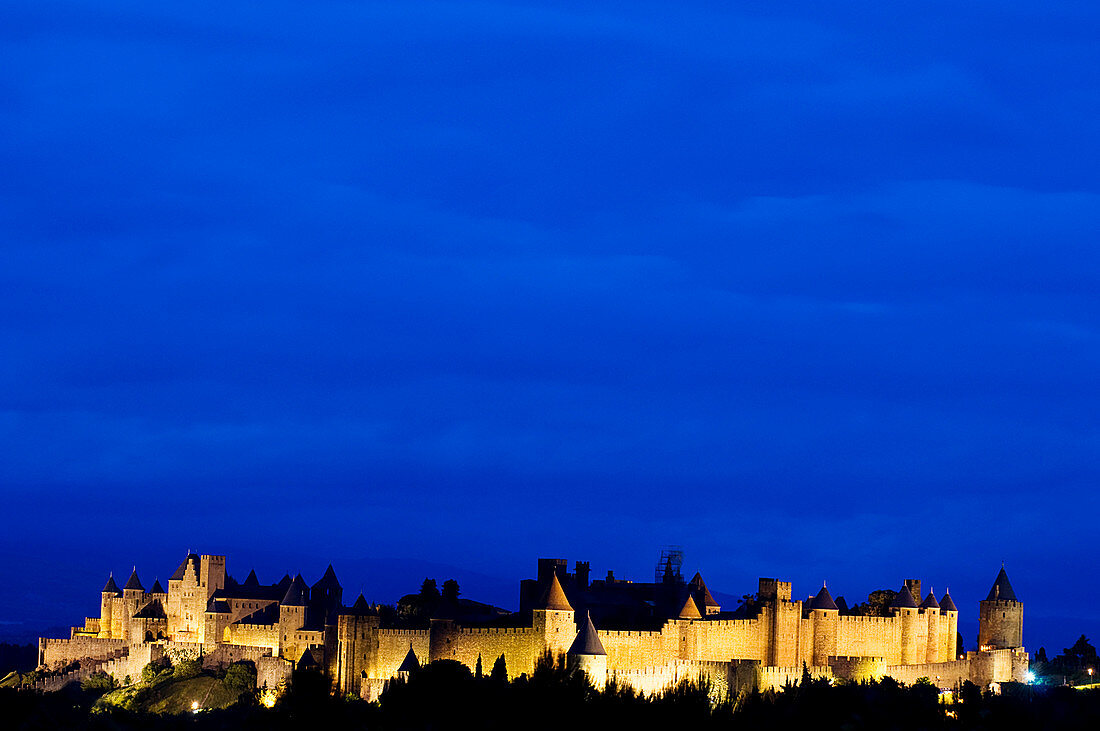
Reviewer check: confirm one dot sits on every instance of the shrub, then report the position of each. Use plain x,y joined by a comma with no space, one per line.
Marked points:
187,668
240,677
98,683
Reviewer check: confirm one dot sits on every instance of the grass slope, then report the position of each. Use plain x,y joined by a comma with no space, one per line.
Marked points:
172,696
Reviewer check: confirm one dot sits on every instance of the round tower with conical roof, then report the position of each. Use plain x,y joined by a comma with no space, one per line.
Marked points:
587,653
824,616
553,617
905,609
1000,617
949,610
930,609
106,606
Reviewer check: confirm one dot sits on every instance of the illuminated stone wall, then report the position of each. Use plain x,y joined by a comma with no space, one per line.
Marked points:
1000,624
255,635
521,647
55,653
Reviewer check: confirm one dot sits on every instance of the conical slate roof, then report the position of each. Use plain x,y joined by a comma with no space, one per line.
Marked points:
823,600
284,583
1001,590
410,663
702,592
947,604
133,582
297,594
553,596
904,599
157,588
930,601
360,606
111,587
690,610
587,642
307,662
328,581
251,582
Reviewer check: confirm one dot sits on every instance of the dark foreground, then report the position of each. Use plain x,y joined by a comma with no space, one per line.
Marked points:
446,695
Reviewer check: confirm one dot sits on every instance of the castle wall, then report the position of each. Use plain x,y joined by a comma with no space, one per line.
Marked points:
765,651
521,647
56,653
732,639
869,637
858,669
295,643
944,675
393,645
652,680
775,677
272,671
998,666
638,649
241,608
256,635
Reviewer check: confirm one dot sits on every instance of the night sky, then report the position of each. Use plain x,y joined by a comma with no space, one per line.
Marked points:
812,290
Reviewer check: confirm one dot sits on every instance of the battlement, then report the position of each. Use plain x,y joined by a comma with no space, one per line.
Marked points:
766,649
397,632
494,630
628,633
772,590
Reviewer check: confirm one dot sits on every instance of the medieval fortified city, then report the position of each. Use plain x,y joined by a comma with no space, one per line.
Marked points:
649,636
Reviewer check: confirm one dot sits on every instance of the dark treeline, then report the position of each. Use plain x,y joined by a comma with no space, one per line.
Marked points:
446,695
17,657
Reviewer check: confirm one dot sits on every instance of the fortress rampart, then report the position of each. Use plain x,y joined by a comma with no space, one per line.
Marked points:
291,624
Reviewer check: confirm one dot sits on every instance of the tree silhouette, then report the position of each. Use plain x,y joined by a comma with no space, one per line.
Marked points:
450,591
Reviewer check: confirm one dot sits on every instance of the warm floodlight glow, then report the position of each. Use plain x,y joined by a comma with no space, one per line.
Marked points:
194,706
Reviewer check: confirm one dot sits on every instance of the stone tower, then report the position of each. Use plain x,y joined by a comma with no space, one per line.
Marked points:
106,605
1000,617
587,653
824,616
904,607
553,617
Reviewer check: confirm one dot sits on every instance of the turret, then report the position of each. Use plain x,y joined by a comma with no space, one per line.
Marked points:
355,645
133,597
824,615
1000,617
930,608
951,613
905,609
409,665
106,605
292,615
587,653
699,591
553,616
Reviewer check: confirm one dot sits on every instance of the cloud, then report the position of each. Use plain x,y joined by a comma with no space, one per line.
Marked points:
720,273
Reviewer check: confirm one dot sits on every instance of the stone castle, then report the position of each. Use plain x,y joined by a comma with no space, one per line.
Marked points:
646,635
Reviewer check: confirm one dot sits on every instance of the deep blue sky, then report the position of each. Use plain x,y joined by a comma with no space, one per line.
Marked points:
812,290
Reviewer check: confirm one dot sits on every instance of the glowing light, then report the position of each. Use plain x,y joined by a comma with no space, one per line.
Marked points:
267,698
194,706
1030,676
